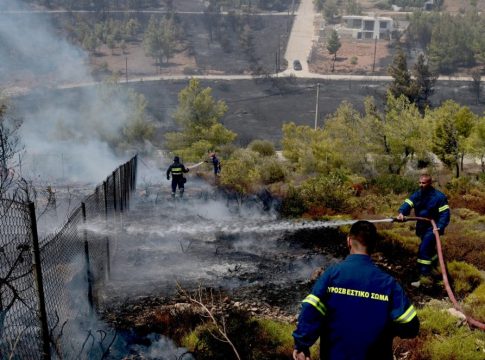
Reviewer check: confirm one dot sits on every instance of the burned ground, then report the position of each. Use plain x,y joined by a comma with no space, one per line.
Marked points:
248,260
258,108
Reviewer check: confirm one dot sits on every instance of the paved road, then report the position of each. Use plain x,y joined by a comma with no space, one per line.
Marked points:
301,37
299,47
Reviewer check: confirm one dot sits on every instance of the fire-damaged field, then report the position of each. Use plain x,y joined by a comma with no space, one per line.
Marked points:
246,258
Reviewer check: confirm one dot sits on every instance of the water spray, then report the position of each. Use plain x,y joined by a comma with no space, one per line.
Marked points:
196,165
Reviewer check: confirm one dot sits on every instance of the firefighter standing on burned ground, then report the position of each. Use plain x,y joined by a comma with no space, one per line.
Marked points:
355,308
431,204
177,170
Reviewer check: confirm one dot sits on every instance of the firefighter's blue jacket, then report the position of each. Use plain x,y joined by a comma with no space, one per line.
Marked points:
356,309
431,204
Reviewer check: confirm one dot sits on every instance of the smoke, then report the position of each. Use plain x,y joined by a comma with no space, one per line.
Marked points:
68,135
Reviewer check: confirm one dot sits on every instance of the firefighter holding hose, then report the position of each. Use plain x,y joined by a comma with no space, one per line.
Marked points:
431,204
177,170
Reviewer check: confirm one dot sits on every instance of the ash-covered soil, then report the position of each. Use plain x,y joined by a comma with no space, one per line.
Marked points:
246,258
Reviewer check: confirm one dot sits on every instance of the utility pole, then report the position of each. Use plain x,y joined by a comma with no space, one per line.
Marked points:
126,68
316,106
375,50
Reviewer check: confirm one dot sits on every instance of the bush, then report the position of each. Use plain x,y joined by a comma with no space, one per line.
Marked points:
465,277
475,303
271,171
392,183
263,339
293,204
460,186
458,346
330,191
435,320
263,147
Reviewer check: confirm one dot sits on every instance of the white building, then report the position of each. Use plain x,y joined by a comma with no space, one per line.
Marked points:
367,27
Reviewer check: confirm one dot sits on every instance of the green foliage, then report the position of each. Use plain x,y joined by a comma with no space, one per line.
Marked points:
138,129
392,183
263,339
160,38
475,303
199,115
465,277
293,204
396,137
333,46
271,170
475,144
463,344
435,320
241,171
402,83
424,81
329,191
453,125
262,147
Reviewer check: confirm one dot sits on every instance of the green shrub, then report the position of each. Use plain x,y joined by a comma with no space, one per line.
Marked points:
293,204
330,191
464,344
465,277
263,147
263,339
460,186
436,321
271,171
391,183
475,303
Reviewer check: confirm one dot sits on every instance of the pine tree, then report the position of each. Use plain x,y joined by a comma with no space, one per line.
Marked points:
333,45
424,81
402,83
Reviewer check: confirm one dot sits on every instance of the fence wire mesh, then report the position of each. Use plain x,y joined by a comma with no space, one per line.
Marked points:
19,326
74,262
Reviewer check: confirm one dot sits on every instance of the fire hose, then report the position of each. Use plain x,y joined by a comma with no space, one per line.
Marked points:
449,291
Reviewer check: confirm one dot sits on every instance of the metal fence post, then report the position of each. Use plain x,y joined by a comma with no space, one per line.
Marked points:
86,254
46,350
114,191
122,188
105,190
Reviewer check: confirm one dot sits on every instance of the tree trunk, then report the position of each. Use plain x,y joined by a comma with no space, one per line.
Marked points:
457,166
461,161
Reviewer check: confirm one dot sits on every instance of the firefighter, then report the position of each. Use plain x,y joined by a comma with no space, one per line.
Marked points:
215,163
432,204
177,170
355,308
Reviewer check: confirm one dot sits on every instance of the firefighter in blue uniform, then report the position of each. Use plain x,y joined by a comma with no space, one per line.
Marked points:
215,163
355,308
432,204
177,170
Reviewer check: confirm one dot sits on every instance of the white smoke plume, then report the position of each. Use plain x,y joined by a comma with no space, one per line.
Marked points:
68,135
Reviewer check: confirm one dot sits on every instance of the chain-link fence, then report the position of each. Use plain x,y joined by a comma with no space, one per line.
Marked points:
46,291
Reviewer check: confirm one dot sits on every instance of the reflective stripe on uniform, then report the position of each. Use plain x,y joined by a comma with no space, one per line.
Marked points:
443,208
408,315
425,262
315,301
409,202
177,171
